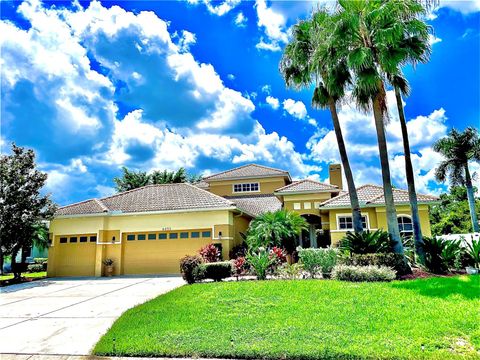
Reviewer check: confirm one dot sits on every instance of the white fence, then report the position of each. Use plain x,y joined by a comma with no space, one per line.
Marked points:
466,238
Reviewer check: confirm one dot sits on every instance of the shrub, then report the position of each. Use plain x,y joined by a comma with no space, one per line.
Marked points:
40,260
210,253
363,273
318,261
238,251
35,268
188,264
440,254
473,252
239,266
260,262
216,271
290,271
367,242
277,258
391,260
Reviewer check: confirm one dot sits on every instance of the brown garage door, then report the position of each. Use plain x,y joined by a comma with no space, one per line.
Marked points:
160,252
76,255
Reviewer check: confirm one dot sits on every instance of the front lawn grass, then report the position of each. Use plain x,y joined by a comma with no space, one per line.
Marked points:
436,318
32,275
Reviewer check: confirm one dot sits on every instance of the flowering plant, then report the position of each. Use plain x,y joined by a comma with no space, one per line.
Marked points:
210,253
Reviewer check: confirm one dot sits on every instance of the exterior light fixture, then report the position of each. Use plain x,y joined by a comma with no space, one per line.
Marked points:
113,239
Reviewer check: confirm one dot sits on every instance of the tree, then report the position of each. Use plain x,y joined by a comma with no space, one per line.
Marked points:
452,214
374,35
278,228
458,148
311,58
131,179
23,206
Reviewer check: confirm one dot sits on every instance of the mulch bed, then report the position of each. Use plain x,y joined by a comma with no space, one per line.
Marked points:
19,281
419,273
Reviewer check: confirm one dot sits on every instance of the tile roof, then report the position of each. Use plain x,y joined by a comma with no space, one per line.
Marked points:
373,195
306,186
247,171
256,204
202,184
150,198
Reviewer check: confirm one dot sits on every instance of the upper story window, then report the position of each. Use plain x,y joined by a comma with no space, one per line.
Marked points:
345,222
246,187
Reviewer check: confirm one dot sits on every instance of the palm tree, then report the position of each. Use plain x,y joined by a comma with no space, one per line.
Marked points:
458,148
375,34
309,58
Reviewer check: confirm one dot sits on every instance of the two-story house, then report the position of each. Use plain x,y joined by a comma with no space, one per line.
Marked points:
147,230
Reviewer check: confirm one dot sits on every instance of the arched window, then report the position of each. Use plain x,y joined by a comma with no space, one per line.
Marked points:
405,225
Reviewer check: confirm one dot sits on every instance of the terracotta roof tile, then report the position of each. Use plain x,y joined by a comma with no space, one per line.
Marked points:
256,204
247,171
307,186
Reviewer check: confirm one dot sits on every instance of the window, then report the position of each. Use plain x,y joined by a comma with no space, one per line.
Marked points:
246,187
63,240
307,205
206,234
73,239
83,239
184,235
297,206
173,236
130,237
141,237
195,234
405,225
93,239
346,222
152,236
162,236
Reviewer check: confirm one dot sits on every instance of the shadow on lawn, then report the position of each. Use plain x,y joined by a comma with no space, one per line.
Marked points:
443,287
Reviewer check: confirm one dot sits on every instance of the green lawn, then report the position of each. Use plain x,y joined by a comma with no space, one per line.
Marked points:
27,275
306,319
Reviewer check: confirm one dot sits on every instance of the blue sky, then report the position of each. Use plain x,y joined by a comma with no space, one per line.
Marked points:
154,85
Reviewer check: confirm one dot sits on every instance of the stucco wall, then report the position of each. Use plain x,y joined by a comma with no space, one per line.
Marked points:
267,186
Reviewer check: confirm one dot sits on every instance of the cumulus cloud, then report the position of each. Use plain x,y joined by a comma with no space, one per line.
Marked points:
218,8
465,7
295,108
432,39
240,20
273,102
273,25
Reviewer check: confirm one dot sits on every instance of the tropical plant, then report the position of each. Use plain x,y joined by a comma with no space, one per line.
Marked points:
311,58
188,266
239,266
473,252
168,177
23,207
458,149
363,273
318,261
290,271
278,228
376,37
210,253
259,261
440,254
391,260
367,242
131,180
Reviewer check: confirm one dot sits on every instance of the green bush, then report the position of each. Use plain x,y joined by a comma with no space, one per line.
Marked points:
367,242
188,265
473,253
290,271
259,261
35,268
391,260
216,271
363,273
318,261
40,260
440,254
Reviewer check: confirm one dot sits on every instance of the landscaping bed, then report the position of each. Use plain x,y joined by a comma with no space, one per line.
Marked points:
7,279
435,318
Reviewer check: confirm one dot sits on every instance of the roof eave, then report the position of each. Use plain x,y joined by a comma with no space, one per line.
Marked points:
377,205
287,175
283,193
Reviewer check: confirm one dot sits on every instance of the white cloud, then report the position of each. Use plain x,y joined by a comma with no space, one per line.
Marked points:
462,6
295,108
267,89
432,39
273,24
218,8
273,102
240,20
187,40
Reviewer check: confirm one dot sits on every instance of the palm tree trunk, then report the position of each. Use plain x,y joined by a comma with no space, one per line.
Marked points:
412,193
392,221
471,199
352,191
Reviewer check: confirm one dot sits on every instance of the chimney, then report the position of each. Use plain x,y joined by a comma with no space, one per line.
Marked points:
335,172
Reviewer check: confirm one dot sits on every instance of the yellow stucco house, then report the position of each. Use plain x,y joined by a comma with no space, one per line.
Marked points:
147,230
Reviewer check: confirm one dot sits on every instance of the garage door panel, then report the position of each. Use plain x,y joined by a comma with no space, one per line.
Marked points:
76,259
158,256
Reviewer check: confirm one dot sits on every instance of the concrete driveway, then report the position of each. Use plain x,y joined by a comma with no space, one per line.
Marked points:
68,316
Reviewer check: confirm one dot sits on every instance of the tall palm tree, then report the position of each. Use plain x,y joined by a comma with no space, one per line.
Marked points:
310,58
458,148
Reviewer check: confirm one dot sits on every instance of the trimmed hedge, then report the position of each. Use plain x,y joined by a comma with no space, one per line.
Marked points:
318,261
188,266
36,268
397,262
216,271
363,273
